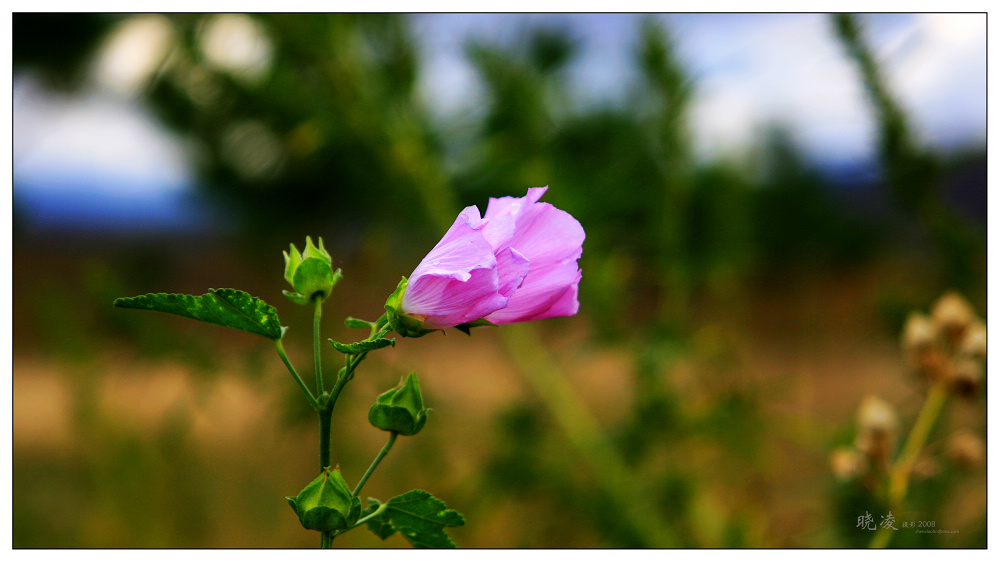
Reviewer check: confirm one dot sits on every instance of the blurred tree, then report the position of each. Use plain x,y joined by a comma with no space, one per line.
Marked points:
57,45
913,174
329,131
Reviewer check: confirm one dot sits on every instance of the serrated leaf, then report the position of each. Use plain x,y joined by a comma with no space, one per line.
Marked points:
362,346
225,307
421,519
380,525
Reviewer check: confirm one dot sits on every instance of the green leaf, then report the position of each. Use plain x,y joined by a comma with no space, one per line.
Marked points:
351,322
420,518
225,307
362,346
380,525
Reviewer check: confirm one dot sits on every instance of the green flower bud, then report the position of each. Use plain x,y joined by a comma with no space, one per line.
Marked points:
403,324
326,504
400,409
309,273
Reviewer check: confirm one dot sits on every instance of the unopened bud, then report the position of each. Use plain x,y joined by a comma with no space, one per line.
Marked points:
966,449
953,314
400,409
848,463
310,273
327,503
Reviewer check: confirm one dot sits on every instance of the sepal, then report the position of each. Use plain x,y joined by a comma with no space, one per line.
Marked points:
403,324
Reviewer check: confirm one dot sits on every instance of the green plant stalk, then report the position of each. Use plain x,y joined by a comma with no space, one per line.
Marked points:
899,473
585,433
284,358
317,361
374,465
363,520
325,410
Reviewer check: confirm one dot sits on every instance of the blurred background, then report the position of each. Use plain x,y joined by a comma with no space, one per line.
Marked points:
765,196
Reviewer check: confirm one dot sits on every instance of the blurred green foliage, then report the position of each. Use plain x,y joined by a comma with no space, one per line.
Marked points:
334,141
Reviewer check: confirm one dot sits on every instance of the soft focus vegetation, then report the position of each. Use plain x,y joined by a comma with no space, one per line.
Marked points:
734,313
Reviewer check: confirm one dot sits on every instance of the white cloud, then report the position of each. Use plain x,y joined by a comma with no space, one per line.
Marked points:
92,135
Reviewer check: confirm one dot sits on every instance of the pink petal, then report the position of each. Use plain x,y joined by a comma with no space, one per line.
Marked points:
457,281
451,302
512,267
547,292
542,233
501,205
462,249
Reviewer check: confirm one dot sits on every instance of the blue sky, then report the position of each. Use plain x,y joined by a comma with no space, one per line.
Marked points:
749,71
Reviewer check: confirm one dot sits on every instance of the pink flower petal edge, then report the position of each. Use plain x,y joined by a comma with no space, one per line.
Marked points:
517,263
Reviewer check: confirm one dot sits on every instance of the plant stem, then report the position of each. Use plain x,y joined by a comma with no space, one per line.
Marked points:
899,473
374,514
317,362
378,459
584,432
325,415
295,375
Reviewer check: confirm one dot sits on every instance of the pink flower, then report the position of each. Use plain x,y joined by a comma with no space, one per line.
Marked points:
517,263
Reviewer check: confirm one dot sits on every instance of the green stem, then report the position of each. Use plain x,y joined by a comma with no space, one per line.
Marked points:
325,416
899,474
317,361
378,459
372,515
362,521
295,375
585,433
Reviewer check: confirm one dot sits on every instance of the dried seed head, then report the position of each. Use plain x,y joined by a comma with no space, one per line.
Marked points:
966,377
875,414
966,449
953,314
877,425
848,463
973,344
919,333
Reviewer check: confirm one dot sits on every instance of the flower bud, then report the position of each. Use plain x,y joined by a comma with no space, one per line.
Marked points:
953,314
966,449
310,273
327,503
848,463
400,409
